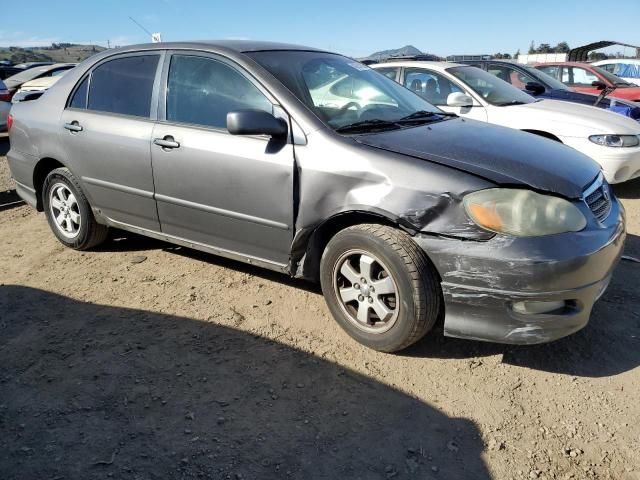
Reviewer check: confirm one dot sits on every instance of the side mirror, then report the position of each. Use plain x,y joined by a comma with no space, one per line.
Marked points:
534,87
458,99
599,85
255,122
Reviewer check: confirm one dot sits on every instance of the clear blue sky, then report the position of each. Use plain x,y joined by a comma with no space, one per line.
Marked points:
355,28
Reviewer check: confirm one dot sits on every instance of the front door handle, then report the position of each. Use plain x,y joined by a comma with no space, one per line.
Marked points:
73,126
166,143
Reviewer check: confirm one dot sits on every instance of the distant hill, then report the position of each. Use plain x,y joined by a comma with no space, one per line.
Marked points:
396,52
57,52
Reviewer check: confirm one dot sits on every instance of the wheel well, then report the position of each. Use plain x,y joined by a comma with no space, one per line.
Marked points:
309,264
544,134
40,172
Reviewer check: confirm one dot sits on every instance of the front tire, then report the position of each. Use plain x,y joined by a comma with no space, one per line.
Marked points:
380,286
69,213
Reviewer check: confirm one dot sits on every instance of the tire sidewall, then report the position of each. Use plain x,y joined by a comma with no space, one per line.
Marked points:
404,326
62,175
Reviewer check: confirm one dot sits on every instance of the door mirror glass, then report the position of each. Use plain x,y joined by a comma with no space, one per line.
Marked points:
458,99
534,88
255,122
599,85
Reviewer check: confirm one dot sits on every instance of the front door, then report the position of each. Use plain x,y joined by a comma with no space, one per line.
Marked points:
230,192
106,133
435,88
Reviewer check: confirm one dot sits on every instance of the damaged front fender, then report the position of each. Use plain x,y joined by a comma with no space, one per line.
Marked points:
343,182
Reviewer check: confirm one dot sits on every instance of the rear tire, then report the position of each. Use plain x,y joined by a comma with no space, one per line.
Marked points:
380,286
69,213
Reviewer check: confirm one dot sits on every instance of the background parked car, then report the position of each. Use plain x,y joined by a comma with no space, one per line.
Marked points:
540,85
610,139
34,88
5,106
581,77
14,82
626,68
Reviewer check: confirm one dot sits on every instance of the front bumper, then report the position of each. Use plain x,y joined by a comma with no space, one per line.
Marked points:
481,281
618,164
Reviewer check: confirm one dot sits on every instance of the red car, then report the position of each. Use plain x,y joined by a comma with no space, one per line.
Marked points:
586,78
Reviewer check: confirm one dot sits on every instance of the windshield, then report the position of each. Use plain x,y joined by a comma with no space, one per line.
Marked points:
617,81
546,78
343,92
491,88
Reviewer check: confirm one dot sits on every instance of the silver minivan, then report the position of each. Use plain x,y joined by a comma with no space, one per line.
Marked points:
312,164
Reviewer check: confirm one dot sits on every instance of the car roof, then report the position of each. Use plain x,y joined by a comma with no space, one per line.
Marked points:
566,64
440,66
618,60
238,46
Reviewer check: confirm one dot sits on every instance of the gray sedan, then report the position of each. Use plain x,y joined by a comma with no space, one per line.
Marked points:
312,164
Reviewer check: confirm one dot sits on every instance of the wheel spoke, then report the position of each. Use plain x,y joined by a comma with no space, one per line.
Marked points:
72,200
60,219
363,313
381,310
55,203
75,217
61,194
365,267
384,286
349,294
69,225
349,273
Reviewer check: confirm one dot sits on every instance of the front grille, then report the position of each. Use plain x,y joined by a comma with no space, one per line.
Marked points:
598,198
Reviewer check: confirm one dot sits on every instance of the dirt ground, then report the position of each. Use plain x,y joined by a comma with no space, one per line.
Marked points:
141,360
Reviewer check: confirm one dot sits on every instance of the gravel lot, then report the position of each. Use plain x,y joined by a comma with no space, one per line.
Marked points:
143,360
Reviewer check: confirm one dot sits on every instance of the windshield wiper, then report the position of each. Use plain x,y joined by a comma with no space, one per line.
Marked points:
367,125
513,102
424,114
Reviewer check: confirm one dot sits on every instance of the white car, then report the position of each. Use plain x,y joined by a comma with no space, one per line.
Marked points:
610,139
626,68
37,85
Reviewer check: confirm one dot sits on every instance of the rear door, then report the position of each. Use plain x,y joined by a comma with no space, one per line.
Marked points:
106,132
234,193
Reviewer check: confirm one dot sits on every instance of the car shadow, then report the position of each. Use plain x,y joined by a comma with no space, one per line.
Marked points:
4,144
10,199
94,391
121,241
629,190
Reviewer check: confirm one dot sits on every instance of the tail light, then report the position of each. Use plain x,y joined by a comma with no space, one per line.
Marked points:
5,96
9,122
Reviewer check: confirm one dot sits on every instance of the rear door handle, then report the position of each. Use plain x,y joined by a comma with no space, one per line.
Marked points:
167,142
73,126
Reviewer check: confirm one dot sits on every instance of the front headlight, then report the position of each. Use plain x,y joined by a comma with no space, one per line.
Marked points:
523,213
616,140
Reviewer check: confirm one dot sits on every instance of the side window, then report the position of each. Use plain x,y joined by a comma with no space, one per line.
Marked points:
609,67
550,70
389,72
431,86
124,86
79,99
201,91
515,77
582,77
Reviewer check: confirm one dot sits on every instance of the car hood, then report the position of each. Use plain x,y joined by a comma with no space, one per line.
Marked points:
568,119
501,155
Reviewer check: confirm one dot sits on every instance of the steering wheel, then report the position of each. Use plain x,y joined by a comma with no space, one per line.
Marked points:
347,106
